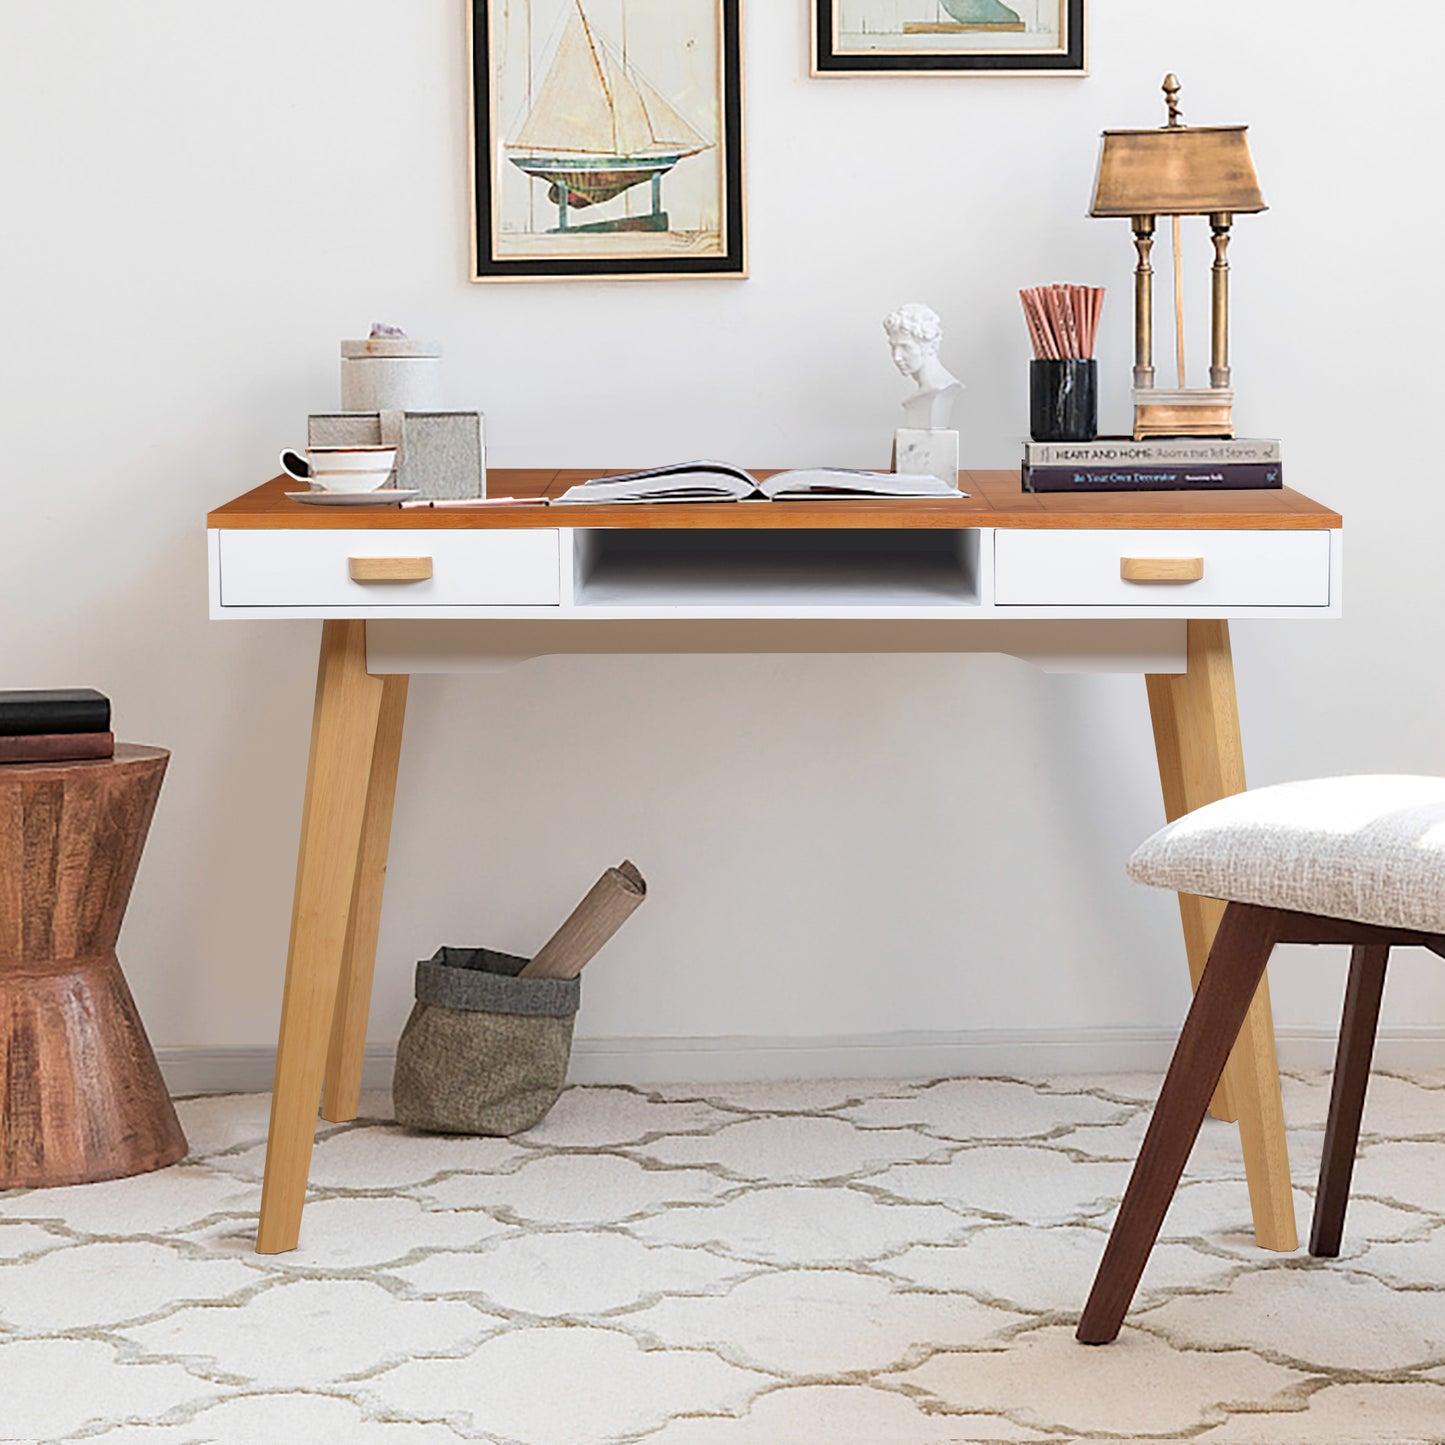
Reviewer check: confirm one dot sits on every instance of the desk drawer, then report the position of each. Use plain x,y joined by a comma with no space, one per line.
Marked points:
398,569
1161,569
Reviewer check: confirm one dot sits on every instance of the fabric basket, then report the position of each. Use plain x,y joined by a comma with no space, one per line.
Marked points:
484,1052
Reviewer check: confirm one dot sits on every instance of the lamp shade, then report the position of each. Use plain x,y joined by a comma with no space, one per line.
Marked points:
1177,170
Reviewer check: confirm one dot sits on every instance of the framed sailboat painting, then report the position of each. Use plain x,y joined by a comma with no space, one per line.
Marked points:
607,139
948,37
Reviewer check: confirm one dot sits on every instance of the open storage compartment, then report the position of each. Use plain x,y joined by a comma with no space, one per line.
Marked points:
842,567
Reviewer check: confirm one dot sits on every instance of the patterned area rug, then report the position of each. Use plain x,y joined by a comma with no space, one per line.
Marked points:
825,1263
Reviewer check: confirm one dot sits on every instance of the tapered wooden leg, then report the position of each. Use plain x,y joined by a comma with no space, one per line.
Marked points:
343,738
1201,759
1191,774
1347,1097
1237,962
342,1090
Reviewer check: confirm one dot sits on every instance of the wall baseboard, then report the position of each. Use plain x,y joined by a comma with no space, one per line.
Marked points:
1017,1052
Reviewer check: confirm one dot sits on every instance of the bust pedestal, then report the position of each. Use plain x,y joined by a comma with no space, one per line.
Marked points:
927,453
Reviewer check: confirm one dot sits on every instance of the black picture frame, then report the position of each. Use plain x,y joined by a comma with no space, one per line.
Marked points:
489,265
1070,60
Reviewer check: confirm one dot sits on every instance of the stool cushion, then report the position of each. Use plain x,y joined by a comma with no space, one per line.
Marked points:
1370,849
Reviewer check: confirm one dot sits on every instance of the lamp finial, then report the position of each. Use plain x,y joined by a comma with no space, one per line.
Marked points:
1171,98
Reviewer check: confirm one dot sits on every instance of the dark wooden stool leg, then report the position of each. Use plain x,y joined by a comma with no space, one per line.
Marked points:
1347,1096
1236,964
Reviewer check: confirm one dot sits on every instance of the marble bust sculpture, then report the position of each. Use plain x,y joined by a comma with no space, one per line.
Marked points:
915,334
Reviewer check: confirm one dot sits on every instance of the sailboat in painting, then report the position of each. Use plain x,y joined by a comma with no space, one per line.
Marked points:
597,129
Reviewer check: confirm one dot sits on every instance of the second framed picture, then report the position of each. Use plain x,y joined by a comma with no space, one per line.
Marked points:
607,139
943,37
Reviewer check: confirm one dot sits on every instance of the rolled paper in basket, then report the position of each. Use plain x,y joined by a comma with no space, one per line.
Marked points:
610,902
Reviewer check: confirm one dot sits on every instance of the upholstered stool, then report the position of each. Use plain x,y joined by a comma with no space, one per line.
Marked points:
1341,860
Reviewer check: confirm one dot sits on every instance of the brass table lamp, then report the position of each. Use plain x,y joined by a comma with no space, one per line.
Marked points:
1178,170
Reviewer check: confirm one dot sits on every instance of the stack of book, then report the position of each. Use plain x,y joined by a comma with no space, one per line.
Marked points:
58,725
1160,464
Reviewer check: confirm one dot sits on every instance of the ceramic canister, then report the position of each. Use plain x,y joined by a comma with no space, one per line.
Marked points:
390,373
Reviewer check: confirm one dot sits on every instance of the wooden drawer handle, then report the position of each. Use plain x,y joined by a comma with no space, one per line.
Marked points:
1161,569
390,569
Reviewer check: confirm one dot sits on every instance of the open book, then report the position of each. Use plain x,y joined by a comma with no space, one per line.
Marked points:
718,482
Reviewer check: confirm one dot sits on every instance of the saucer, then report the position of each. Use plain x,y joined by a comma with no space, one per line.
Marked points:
381,497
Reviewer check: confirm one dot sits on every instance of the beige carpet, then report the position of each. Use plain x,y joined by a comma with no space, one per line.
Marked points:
775,1264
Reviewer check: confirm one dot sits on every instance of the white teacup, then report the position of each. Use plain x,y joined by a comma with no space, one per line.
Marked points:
340,469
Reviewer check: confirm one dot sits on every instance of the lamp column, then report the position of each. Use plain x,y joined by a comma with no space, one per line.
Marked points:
1219,224
1143,303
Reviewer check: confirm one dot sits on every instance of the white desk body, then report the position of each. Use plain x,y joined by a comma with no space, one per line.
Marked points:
492,597
591,573
860,591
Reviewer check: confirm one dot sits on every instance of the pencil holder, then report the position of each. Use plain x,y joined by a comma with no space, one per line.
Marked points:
1063,400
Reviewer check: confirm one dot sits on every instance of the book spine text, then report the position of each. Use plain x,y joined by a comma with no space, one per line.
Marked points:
1120,452
1237,476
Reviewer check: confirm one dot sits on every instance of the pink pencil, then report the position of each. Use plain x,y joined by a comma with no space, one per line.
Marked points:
1049,321
1035,330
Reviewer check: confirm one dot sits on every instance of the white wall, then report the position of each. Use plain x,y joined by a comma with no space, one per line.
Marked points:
197,201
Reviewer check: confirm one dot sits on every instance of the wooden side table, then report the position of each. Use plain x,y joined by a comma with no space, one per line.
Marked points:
82,1096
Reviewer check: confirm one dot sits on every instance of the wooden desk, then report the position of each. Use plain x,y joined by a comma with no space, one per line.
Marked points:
1139,582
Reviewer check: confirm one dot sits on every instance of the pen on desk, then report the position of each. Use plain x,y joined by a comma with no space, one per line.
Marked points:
461,503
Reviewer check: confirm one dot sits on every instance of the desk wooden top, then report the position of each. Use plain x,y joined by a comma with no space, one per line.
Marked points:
996,499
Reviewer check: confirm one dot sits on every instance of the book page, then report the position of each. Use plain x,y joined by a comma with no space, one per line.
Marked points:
681,482
821,482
